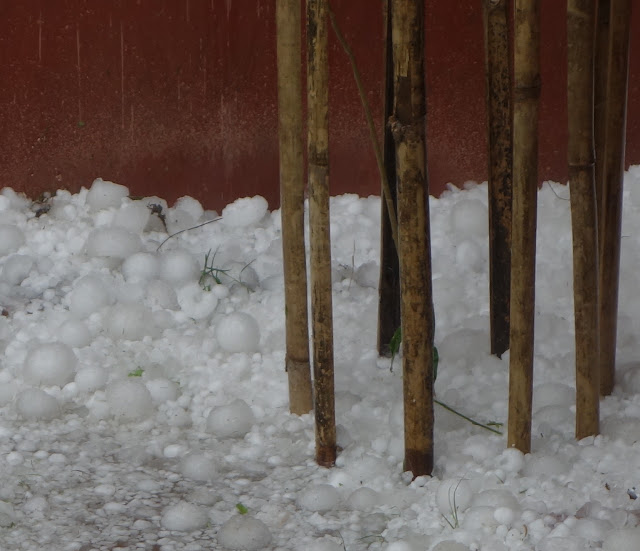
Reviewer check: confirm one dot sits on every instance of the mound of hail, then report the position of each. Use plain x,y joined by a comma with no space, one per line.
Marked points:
147,377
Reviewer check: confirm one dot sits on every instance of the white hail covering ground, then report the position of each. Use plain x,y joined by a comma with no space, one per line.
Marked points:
142,407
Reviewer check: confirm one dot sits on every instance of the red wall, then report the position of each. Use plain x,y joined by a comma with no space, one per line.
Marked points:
178,97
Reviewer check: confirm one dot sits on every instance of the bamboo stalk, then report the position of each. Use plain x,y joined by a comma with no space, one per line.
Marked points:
389,287
498,100
526,71
580,81
600,99
408,127
288,18
611,182
321,300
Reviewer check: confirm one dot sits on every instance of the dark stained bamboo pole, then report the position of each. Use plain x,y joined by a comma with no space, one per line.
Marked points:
414,247
526,71
498,100
612,180
289,19
580,85
320,238
389,287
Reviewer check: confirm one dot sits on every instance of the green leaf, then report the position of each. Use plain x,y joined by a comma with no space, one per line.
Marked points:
436,359
136,372
394,348
241,509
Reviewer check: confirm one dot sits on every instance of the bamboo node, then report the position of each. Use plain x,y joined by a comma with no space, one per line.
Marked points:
527,92
577,168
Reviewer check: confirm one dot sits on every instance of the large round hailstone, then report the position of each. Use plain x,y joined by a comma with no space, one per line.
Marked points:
511,460
622,540
368,275
195,302
89,294
199,467
469,218
74,333
104,194
132,217
129,399
178,220
50,364
238,332
11,238
469,256
17,268
190,205
319,498
179,267
183,517
91,378
34,403
162,390
130,322
232,420
363,499
496,498
140,267
115,243
245,211
245,533
161,294
453,496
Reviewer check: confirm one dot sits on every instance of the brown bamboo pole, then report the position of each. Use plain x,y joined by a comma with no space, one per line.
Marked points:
612,180
580,84
389,287
526,73
320,239
600,99
297,364
498,100
414,247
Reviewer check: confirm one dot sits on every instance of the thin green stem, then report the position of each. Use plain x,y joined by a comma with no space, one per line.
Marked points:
472,421
386,190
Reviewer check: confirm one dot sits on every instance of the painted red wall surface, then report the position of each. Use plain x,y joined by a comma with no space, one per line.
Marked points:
178,97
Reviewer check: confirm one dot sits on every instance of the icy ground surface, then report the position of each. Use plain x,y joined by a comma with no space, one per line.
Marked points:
144,407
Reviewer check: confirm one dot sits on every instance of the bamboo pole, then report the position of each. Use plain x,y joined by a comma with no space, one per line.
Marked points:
321,301
526,72
600,99
580,84
611,182
498,100
408,127
389,287
288,19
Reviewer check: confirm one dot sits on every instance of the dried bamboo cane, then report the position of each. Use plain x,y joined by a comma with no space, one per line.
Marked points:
580,85
321,301
498,100
408,127
288,18
611,184
526,70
